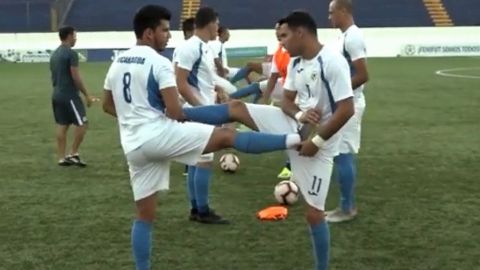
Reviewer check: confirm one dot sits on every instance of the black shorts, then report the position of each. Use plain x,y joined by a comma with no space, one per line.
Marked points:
69,111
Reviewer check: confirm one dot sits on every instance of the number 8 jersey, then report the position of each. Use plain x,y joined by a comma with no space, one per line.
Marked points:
135,79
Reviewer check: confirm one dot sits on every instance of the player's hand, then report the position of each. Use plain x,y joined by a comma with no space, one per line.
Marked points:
308,149
311,116
91,100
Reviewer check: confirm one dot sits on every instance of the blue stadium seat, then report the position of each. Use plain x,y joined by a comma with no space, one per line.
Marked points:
463,12
86,15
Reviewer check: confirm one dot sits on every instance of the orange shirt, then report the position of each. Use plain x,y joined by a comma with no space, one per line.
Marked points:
281,59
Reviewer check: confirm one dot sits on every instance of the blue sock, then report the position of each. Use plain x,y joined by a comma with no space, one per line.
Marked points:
141,243
346,179
321,243
257,96
248,90
257,142
211,114
202,183
287,164
241,74
191,186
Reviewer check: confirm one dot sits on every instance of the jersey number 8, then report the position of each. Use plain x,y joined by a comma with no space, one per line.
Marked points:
127,78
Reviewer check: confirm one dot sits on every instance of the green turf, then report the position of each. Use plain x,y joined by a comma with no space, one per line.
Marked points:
418,193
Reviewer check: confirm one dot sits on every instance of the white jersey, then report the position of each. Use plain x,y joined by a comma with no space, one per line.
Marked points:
219,51
320,82
196,56
135,79
353,48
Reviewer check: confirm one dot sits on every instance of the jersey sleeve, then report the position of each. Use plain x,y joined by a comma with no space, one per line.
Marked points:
274,68
355,46
73,58
289,84
186,57
164,74
338,76
216,48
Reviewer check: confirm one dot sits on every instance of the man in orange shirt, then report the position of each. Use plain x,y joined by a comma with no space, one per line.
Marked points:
273,87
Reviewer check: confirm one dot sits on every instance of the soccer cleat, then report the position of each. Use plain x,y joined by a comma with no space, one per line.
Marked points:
211,218
337,215
285,174
75,159
65,162
193,215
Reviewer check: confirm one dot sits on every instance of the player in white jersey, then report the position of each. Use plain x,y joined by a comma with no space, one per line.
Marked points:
188,28
318,93
352,46
196,81
220,58
140,92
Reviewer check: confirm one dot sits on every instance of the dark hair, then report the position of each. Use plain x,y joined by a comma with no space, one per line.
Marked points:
149,16
222,29
346,4
65,31
188,25
300,19
204,16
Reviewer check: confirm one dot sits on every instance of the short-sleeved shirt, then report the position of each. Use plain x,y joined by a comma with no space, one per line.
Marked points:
353,48
196,56
60,62
219,51
320,83
136,79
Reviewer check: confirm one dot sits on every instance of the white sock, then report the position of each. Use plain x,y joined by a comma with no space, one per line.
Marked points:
293,140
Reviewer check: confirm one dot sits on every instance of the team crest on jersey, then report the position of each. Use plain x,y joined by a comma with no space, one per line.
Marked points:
314,76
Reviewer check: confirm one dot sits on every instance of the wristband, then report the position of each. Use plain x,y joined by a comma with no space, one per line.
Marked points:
298,115
318,141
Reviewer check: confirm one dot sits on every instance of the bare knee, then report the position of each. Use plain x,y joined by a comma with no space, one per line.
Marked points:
236,109
314,215
146,208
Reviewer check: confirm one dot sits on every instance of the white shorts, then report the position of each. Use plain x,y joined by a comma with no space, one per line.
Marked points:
351,131
312,174
277,93
225,84
149,165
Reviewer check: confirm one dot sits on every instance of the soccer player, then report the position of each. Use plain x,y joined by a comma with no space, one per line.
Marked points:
220,59
140,92
273,87
319,79
354,50
67,105
196,83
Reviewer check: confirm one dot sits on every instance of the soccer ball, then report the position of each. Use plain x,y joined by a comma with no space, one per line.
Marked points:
286,192
229,163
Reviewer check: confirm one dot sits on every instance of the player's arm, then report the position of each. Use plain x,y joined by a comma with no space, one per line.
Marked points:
77,79
338,77
356,49
220,69
288,103
272,80
184,87
172,103
108,103
361,73
344,110
185,61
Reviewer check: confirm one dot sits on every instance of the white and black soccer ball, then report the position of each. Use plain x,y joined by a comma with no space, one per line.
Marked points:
286,192
229,163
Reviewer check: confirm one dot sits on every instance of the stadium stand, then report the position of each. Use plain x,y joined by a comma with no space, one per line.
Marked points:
463,12
34,15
